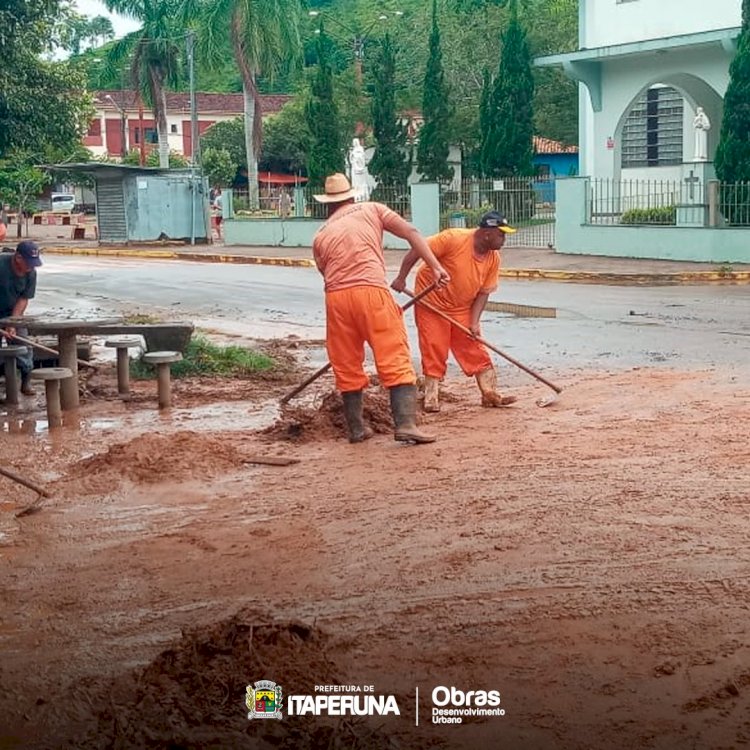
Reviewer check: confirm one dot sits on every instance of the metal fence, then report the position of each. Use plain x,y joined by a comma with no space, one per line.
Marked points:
301,203
659,202
640,201
527,203
733,203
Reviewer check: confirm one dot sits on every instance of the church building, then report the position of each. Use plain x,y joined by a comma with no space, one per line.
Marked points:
644,68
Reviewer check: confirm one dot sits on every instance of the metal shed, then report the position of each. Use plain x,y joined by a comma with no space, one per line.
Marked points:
142,204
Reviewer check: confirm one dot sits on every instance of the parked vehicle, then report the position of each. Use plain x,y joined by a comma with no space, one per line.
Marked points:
63,202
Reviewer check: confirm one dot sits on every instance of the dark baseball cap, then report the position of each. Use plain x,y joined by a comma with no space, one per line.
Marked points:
495,220
29,251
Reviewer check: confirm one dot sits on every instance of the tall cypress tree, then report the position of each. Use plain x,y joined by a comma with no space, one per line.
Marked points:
733,152
434,146
390,163
326,154
507,147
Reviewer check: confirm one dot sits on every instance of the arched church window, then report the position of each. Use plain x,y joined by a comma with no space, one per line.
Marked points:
653,132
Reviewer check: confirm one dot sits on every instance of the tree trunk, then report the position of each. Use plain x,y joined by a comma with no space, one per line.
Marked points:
159,99
252,157
163,130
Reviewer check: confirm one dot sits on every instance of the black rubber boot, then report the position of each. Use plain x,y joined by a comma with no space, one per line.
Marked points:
358,430
26,388
404,410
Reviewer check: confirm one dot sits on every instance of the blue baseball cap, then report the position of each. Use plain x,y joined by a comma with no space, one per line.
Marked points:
29,251
495,220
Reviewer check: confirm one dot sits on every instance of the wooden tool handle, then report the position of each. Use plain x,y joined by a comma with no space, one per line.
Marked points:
43,348
467,331
25,482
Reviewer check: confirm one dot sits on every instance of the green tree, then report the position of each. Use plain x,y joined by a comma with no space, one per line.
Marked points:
434,147
326,152
153,159
391,163
20,184
264,37
286,140
507,134
153,56
41,103
733,152
218,167
229,136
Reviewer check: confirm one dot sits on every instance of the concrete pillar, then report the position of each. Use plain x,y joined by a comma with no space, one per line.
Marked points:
299,200
425,207
227,204
572,212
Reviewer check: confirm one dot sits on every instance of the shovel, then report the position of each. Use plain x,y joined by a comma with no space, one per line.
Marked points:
326,367
43,348
540,402
41,492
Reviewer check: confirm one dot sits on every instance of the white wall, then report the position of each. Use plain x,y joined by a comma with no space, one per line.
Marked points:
691,72
608,22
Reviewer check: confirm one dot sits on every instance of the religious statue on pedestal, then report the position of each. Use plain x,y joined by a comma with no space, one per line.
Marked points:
702,125
359,175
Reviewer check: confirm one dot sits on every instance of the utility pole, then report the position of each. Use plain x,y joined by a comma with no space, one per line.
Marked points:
194,136
194,146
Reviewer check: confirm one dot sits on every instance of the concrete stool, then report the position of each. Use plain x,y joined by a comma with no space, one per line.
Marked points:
162,360
52,377
122,344
8,356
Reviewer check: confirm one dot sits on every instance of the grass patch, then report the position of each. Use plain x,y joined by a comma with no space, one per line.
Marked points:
140,319
201,357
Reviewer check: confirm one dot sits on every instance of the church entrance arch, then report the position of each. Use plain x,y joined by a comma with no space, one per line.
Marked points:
697,93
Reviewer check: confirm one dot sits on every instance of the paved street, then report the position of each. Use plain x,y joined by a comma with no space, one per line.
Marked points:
688,326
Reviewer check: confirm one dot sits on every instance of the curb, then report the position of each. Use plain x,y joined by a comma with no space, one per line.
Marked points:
257,260
634,279
530,274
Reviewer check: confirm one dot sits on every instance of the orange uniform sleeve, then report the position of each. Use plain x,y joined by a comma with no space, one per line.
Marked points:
440,243
390,219
490,280
317,256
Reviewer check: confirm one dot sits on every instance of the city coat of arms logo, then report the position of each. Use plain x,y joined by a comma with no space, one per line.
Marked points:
263,700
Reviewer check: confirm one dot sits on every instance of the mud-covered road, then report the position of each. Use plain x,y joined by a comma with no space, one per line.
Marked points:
589,561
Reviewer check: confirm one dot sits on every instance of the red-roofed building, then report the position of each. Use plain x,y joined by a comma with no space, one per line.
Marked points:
117,118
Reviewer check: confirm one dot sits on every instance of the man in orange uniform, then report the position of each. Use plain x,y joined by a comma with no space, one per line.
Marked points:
348,251
471,258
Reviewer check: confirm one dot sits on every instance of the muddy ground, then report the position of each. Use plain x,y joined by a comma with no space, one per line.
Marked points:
589,560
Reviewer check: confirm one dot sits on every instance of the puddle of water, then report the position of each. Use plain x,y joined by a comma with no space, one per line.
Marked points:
228,416
236,415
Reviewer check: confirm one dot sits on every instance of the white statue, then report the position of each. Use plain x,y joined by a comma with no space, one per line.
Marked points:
359,175
702,125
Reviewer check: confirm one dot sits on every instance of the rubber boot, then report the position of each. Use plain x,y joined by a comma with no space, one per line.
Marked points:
26,388
487,382
404,410
431,394
358,430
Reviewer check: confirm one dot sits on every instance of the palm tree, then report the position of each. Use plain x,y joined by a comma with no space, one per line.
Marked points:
153,54
264,38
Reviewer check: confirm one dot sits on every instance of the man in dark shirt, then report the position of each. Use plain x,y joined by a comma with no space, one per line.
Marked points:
17,287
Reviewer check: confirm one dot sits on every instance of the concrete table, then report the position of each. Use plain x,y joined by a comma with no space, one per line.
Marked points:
53,377
162,360
122,344
67,330
9,356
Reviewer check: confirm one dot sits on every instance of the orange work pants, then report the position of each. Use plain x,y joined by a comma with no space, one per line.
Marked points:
367,314
437,337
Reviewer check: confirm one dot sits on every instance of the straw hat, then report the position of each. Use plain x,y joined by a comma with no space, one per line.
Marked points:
338,189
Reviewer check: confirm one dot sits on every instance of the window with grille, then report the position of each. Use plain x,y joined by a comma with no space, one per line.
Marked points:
653,131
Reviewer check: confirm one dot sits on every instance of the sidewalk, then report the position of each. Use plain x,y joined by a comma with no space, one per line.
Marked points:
517,262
